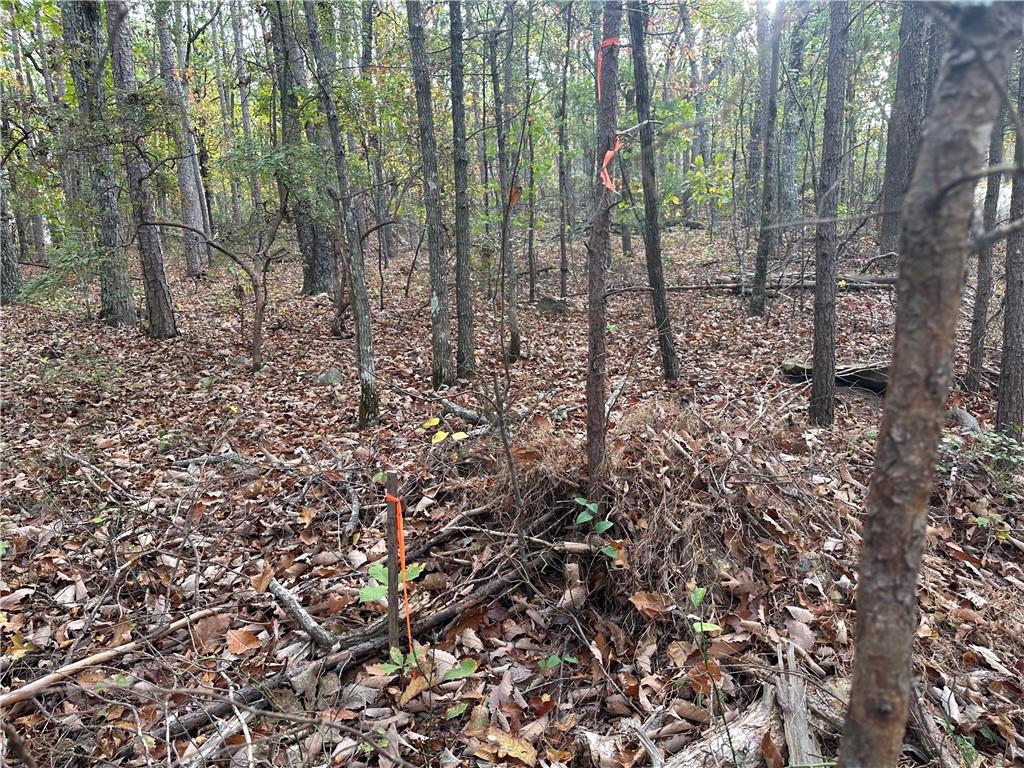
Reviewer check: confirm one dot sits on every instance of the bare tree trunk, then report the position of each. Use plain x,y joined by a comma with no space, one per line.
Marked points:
759,125
1010,407
531,202
159,312
465,357
563,162
933,246
652,226
180,126
243,78
24,79
83,39
823,383
598,248
227,120
983,293
789,199
769,236
904,132
10,273
368,401
440,331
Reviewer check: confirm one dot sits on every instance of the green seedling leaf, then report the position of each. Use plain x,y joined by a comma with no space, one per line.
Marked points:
549,663
705,627
396,655
584,517
459,436
439,436
388,668
380,477
603,525
372,593
697,596
455,710
464,669
570,660
591,505
612,552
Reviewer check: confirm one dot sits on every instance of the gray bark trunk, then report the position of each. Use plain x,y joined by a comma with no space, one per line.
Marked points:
244,79
789,199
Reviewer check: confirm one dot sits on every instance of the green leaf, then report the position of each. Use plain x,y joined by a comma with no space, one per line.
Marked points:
413,571
549,663
372,593
459,436
584,517
570,660
464,669
388,668
705,627
378,571
439,436
697,596
4,546
396,655
455,710
380,477
612,552
591,505
603,525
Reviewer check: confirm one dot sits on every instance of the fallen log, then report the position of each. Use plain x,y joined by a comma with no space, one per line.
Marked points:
871,376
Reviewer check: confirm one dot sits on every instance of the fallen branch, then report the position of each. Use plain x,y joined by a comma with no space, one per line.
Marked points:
473,417
287,600
38,686
792,696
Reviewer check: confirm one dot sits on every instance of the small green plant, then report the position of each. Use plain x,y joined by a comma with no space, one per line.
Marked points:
553,661
379,573
588,513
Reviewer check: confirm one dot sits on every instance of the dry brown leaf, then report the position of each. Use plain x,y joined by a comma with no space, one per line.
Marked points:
507,745
653,605
241,641
209,633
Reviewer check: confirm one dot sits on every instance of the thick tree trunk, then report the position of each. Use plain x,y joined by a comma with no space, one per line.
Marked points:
159,312
904,133
1010,408
563,162
769,236
440,330
86,47
789,198
598,248
823,385
508,261
465,357
983,292
758,127
180,125
10,273
652,225
368,401
243,78
933,247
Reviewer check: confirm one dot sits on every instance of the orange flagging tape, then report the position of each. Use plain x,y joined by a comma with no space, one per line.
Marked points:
606,179
401,559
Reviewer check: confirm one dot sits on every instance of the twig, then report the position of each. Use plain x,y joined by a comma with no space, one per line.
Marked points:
287,600
17,746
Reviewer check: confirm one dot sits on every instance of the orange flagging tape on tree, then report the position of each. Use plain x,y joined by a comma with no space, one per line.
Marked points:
600,55
388,497
606,179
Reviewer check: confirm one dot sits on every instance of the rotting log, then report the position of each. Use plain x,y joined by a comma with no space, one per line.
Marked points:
871,376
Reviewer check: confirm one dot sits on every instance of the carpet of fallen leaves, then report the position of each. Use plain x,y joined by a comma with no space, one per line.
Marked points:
144,482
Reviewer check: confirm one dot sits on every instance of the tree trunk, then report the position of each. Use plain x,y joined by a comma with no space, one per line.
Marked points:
181,132
933,247
769,236
86,48
159,312
652,226
1010,408
904,133
823,383
440,332
368,401
563,162
221,63
759,125
243,78
36,221
598,248
531,229
983,293
465,357
10,273
789,199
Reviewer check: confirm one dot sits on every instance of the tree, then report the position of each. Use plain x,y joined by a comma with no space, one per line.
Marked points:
160,322
180,124
904,132
465,356
789,197
563,164
983,291
652,226
1010,408
759,124
769,235
10,274
243,79
440,332
933,247
83,38
368,401
823,384
599,244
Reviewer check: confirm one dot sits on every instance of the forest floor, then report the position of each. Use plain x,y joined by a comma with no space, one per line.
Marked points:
144,482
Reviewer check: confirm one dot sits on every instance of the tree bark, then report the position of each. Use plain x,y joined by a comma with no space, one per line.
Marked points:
769,236
933,247
983,292
465,356
10,273
368,400
83,39
759,125
638,16
598,248
243,81
823,383
789,198
180,125
1010,407
440,324
904,133
159,311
